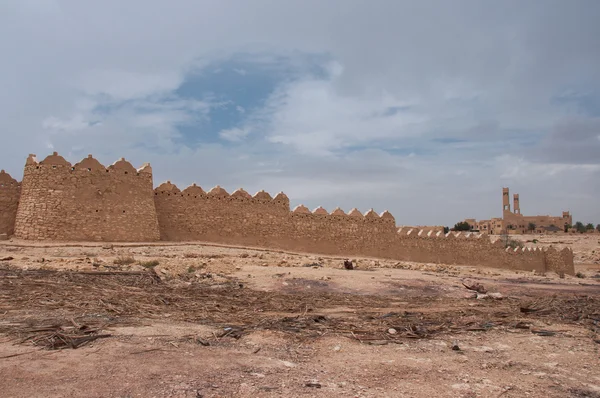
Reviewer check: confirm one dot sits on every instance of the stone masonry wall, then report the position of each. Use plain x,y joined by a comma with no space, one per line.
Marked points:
90,202
241,219
86,202
10,191
216,216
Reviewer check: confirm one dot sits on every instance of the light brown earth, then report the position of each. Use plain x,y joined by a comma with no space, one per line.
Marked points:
210,321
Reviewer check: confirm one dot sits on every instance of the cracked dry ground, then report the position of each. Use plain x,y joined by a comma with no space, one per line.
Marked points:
235,327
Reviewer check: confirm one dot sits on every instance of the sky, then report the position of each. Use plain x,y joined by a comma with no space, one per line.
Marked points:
423,108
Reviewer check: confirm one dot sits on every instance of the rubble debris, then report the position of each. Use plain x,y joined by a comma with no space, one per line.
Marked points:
542,332
56,337
522,325
348,264
313,384
113,291
314,265
475,286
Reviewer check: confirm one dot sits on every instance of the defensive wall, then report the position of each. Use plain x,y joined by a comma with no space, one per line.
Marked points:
85,201
90,202
10,191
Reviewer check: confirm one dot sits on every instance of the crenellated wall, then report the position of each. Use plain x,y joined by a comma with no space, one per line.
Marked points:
217,216
10,191
242,219
86,201
90,202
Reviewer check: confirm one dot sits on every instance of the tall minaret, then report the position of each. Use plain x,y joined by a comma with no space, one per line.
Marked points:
517,208
505,200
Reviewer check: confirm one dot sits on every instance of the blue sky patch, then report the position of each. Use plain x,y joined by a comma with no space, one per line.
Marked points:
238,87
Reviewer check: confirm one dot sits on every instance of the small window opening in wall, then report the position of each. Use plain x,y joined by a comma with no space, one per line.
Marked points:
155,193
123,211
37,167
72,168
195,197
89,169
53,166
107,170
126,172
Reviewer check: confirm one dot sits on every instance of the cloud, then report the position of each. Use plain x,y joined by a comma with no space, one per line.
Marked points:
424,109
234,134
574,140
313,117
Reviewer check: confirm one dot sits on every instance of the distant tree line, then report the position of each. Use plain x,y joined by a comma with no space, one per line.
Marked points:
583,228
462,226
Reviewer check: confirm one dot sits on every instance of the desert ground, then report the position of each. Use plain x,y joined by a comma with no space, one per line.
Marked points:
199,320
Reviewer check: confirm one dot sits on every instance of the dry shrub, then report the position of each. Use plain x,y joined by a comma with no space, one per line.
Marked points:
149,264
124,260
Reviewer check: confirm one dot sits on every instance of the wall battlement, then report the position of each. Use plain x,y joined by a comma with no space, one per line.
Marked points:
88,201
85,201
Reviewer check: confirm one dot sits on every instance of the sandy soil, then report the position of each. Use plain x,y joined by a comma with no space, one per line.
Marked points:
209,321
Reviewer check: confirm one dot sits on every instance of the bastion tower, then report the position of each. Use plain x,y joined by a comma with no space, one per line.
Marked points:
86,201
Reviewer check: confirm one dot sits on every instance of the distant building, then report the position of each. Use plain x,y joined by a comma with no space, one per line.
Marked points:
513,222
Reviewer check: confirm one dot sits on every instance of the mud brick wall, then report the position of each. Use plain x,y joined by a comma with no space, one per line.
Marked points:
10,191
216,216
559,261
466,249
90,202
86,202
259,220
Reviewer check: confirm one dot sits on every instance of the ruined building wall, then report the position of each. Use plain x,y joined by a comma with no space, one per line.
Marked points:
259,220
86,202
10,191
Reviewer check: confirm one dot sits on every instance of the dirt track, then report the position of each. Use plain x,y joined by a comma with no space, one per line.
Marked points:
219,322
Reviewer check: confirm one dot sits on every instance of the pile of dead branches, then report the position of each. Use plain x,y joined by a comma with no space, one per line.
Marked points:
128,296
57,336
578,309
